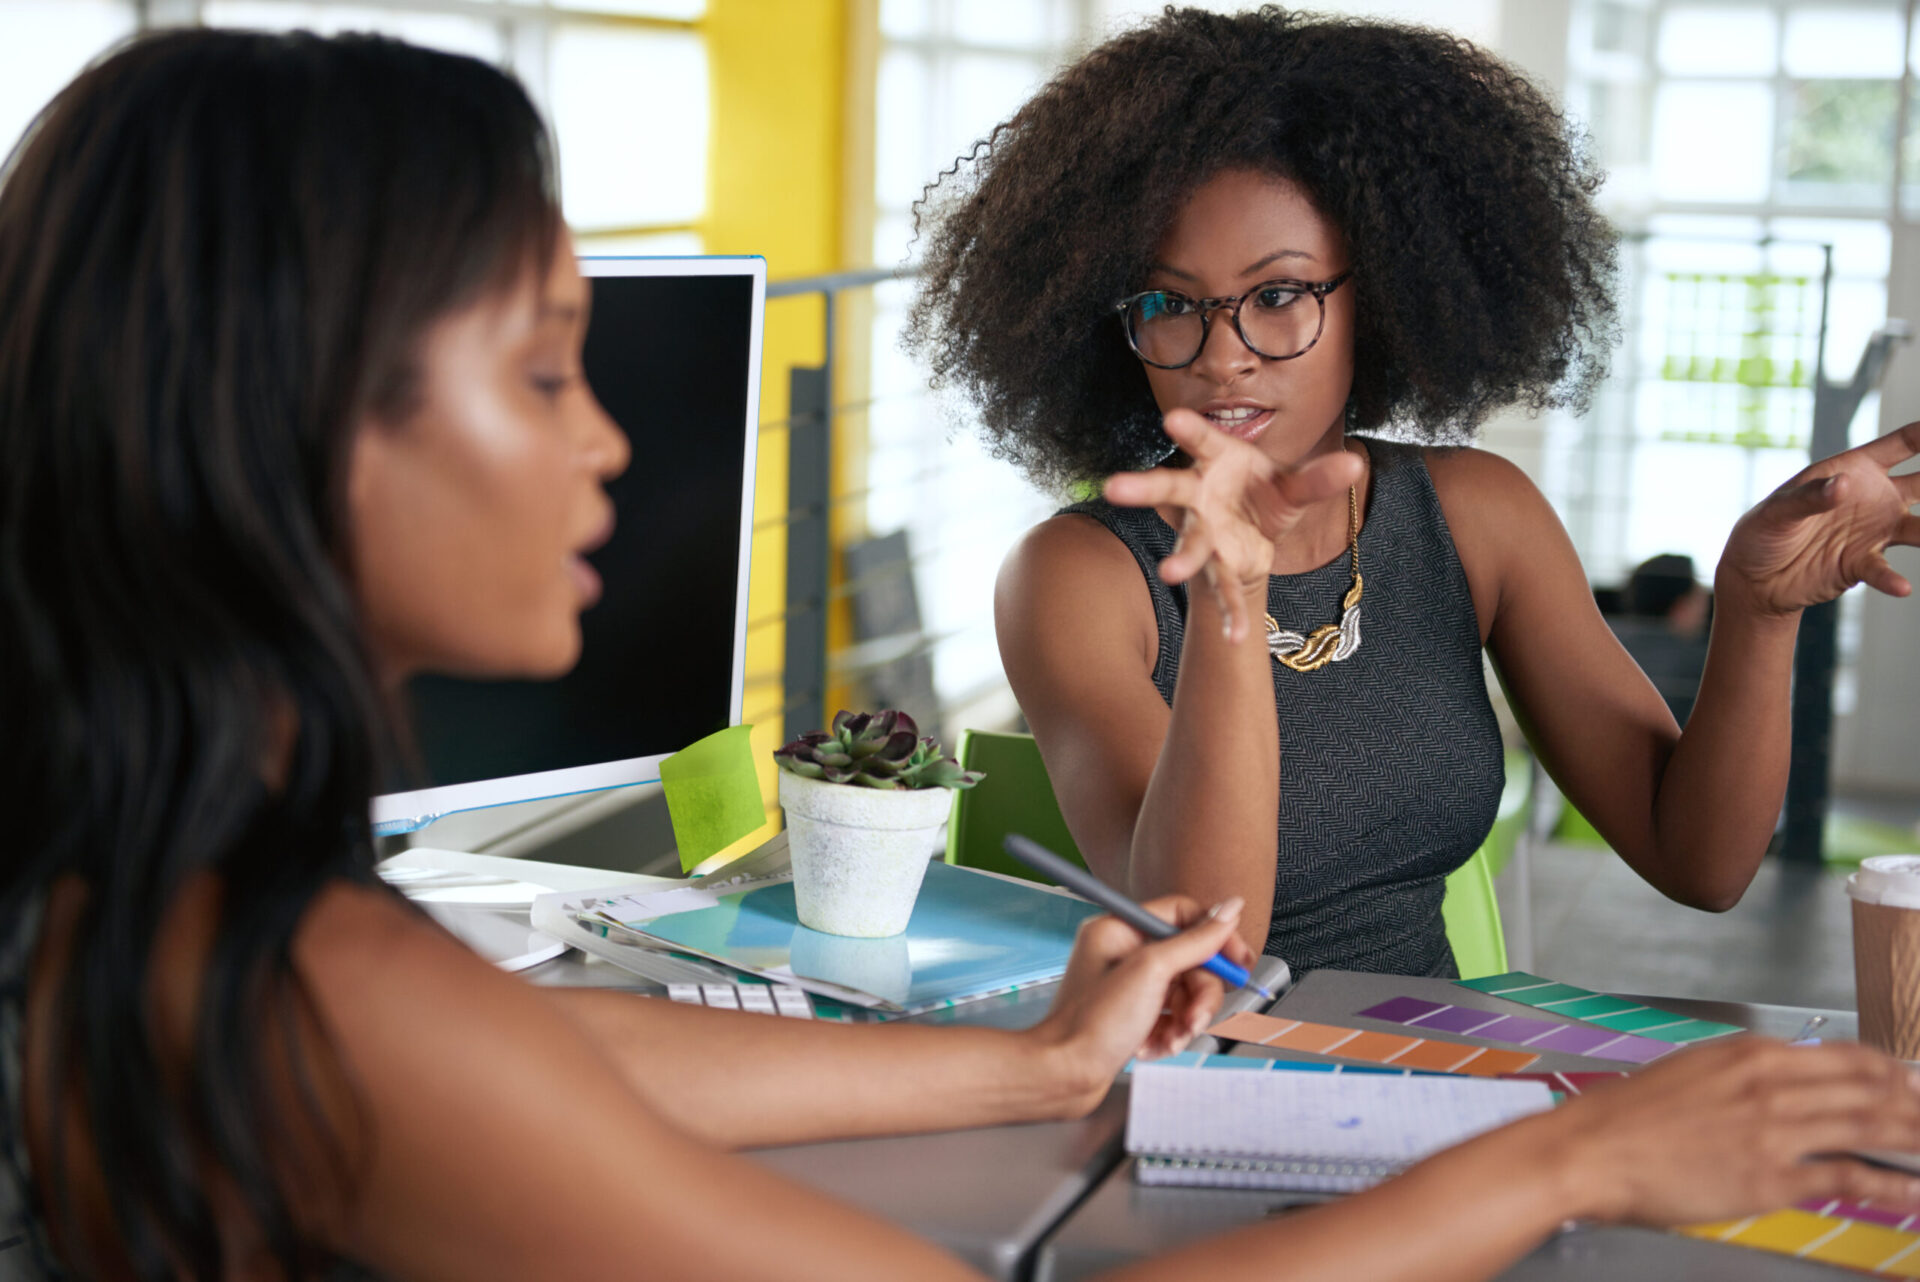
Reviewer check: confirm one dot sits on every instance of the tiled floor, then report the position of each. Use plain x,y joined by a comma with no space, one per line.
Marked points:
1595,923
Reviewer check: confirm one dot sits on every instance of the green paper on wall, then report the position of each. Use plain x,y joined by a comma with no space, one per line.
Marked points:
713,794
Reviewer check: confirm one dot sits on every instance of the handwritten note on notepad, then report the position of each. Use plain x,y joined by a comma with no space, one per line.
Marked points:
1306,1130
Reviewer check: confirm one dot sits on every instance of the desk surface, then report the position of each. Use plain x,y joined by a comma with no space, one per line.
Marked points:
991,1196
1123,1221
987,1195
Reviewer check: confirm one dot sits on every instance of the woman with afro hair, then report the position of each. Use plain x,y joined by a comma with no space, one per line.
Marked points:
1308,257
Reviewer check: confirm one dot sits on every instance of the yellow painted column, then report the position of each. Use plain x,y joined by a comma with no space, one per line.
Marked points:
776,188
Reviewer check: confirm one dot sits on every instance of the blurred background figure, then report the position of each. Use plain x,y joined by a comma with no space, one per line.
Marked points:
1664,587
1661,616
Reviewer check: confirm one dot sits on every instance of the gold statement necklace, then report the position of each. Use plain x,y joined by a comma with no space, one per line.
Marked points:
1330,642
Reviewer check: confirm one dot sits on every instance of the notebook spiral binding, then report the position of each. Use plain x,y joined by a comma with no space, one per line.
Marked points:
1310,1174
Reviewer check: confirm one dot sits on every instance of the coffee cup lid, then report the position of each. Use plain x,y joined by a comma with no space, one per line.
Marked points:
1892,880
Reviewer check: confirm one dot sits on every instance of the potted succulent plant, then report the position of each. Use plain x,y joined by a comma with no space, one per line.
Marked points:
865,802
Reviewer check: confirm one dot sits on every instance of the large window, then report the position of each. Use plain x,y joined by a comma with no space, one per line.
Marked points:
1742,137
623,83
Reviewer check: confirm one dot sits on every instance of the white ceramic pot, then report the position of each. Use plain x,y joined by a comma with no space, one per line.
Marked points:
859,854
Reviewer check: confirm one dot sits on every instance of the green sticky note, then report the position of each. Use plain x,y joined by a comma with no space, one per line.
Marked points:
1595,1006
713,794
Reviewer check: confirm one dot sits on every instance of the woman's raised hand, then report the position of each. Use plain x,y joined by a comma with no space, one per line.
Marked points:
1236,504
1740,1127
1124,995
1827,529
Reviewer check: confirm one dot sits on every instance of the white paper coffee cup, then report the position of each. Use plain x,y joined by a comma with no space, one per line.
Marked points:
1893,880
1886,952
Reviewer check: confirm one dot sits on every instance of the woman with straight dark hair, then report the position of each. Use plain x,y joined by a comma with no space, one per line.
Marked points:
291,409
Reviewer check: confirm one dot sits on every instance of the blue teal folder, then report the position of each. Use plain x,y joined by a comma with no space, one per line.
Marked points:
971,934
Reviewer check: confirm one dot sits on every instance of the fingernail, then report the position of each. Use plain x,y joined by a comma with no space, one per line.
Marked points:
1226,908
1827,485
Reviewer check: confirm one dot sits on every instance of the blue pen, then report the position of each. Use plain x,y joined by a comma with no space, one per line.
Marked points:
1081,882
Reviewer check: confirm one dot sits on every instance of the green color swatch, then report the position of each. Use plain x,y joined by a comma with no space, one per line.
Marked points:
1549,995
1499,985
1603,1009
1596,1006
1642,1021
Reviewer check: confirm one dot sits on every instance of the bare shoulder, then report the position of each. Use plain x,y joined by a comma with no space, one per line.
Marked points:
1503,529
379,969
355,933
1465,475
505,1144
1066,549
1487,498
1070,580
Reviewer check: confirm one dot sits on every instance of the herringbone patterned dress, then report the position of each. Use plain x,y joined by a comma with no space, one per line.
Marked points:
1390,760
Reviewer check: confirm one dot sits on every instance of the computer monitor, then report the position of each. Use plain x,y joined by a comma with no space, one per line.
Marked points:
673,353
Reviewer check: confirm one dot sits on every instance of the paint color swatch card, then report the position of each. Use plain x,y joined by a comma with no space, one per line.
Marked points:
971,935
1261,1064
1572,1083
1868,1246
1323,1132
1418,1014
1372,1047
758,999
1620,1014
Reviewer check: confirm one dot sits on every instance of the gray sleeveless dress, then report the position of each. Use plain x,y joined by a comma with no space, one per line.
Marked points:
1390,760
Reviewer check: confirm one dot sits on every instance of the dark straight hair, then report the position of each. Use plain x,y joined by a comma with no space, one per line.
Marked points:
218,254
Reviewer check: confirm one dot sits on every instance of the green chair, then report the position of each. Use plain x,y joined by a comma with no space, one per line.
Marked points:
1472,914
1017,796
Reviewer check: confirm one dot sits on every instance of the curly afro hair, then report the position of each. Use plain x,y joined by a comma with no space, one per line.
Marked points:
1484,274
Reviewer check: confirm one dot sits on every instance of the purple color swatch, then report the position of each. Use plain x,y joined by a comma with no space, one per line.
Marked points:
1516,1030
1638,1050
1401,1009
1519,1029
1576,1039
1457,1020
1871,1214
1874,1215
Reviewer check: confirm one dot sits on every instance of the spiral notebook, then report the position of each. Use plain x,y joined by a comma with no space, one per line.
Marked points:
1316,1132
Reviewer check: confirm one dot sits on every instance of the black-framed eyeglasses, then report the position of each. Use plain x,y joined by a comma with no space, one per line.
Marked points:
1168,330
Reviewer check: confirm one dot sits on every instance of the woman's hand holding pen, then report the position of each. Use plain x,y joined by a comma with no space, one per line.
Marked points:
1236,505
1124,996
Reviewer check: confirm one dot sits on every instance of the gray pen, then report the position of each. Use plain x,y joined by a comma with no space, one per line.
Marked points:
1079,880
1805,1037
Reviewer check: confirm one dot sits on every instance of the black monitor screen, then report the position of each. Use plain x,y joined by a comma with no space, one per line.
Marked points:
668,358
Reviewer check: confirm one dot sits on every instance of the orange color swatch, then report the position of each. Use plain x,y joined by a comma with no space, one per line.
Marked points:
1428,1053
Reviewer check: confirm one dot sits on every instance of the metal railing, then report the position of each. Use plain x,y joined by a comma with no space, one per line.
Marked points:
810,419
921,472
